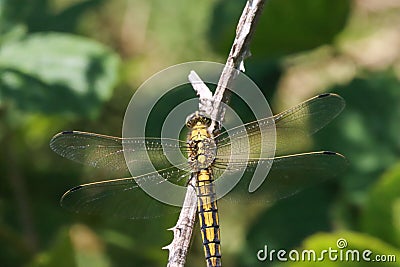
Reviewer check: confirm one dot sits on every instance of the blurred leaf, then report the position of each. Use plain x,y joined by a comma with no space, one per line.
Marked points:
66,20
57,73
289,221
186,29
61,253
42,15
381,215
10,33
355,241
9,29
89,248
287,26
366,132
78,246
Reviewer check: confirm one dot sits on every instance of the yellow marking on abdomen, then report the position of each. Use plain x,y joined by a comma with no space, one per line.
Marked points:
208,217
206,197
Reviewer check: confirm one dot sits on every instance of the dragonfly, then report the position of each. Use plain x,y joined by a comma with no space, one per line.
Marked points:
208,158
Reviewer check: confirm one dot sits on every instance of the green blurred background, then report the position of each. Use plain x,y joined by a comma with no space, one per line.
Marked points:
74,64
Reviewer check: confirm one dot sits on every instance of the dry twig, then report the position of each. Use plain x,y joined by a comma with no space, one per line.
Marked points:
239,52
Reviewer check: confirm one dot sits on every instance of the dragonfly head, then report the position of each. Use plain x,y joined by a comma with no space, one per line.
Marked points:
197,117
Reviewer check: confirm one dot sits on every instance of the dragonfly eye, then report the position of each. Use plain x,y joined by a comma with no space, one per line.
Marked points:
197,117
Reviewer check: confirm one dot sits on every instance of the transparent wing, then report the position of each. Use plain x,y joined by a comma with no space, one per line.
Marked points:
287,176
292,127
108,152
123,197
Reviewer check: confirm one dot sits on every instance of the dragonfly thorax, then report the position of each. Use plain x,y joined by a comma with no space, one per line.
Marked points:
202,148
201,153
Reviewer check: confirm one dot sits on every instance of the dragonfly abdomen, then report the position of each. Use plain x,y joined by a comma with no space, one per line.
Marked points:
202,151
208,218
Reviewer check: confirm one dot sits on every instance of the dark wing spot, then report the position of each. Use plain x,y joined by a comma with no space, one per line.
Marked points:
324,95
